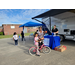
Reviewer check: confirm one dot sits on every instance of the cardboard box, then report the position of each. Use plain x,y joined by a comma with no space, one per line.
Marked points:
60,48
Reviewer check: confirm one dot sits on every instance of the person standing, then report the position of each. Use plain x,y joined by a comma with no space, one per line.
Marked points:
15,38
41,35
55,30
22,34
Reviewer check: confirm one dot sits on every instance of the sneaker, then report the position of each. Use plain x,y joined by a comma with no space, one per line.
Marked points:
38,55
16,45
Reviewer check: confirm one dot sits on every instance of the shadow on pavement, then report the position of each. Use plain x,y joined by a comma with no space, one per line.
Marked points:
68,42
11,43
26,51
25,45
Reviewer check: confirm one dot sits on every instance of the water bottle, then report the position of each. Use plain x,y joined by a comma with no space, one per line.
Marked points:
19,36
54,34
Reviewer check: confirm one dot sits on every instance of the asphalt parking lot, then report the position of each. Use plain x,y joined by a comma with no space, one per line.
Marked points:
18,55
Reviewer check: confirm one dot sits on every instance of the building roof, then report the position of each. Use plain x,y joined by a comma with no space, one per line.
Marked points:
53,12
11,24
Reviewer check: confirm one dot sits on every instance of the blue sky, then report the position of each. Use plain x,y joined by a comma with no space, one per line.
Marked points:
18,16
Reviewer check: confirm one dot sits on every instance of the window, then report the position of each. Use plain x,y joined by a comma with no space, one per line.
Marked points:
12,27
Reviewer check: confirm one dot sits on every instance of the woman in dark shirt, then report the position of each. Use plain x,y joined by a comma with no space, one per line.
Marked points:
55,30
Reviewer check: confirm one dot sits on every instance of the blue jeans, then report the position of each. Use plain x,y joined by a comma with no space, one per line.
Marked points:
16,42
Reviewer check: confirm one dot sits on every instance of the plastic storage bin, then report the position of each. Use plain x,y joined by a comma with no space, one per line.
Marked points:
47,40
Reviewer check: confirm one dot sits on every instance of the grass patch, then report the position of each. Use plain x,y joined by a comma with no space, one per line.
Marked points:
5,36
27,34
10,36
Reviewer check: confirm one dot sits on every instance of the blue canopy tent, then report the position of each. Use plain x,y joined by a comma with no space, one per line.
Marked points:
31,24
34,24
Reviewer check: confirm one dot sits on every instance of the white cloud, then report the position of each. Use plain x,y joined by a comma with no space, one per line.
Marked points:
4,18
33,12
8,16
5,10
11,10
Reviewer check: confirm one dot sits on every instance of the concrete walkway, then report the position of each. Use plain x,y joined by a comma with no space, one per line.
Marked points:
18,55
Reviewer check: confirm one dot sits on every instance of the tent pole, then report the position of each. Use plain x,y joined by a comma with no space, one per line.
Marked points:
50,22
37,20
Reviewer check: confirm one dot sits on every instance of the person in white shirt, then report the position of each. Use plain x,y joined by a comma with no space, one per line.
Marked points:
15,38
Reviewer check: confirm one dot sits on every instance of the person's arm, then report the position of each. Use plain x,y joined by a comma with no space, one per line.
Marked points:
44,32
13,38
42,38
37,41
56,30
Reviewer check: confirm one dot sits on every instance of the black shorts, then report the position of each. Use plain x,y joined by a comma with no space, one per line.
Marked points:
40,43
